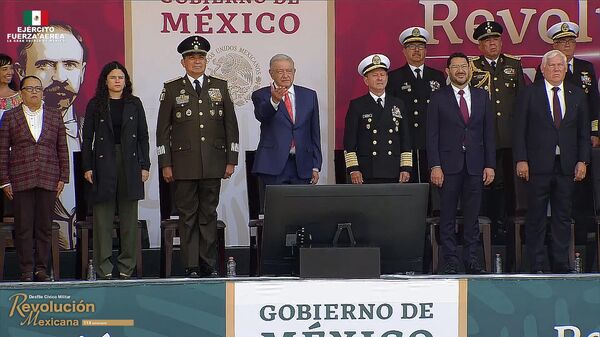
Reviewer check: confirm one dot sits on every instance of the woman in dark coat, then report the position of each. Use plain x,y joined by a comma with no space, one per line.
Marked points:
115,160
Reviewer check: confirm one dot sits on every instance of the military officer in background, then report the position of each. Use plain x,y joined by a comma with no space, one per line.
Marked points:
580,73
377,145
197,143
501,75
413,83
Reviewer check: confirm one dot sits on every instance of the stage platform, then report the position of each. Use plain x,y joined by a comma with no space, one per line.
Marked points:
392,306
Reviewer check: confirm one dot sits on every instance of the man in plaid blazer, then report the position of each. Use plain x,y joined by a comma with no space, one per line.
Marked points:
34,167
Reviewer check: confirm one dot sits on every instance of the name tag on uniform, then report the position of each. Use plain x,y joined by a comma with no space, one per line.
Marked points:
182,99
367,115
509,71
215,94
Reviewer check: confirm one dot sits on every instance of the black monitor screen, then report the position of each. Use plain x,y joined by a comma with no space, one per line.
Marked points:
388,216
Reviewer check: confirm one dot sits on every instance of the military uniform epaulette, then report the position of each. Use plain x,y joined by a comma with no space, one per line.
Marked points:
173,79
518,58
216,78
474,58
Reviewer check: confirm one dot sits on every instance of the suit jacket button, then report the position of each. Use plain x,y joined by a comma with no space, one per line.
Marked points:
497,101
201,126
499,113
374,153
202,139
134,136
391,130
374,131
416,113
390,141
390,153
416,125
374,142
200,101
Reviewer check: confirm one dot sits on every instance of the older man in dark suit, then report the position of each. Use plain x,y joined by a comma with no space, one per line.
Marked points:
289,151
551,149
461,152
34,167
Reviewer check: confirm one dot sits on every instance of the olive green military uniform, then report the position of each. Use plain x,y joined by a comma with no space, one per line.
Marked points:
197,136
503,83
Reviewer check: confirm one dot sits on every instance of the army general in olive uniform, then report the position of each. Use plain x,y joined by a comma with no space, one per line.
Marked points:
413,83
377,145
501,75
197,144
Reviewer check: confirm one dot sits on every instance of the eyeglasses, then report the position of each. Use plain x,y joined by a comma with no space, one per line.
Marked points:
415,46
461,67
33,89
565,42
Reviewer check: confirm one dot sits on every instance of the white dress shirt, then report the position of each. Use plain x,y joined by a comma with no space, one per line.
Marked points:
561,99
34,120
466,95
412,68
200,79
375,97
292,95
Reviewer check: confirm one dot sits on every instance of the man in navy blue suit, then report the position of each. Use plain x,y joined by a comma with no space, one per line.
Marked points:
461,152
551,149
289,150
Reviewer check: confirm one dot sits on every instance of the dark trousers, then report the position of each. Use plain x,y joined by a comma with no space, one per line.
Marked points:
558,189
33,222
104,214
499,197
420,172
196,201
289,176
468,188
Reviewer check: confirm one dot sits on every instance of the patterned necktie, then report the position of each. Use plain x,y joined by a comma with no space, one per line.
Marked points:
493,65
197,87
464,109
418,72
288,106
556,110
380,102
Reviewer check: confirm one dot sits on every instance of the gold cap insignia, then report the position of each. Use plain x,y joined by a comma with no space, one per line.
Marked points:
564,27
376,59
416,32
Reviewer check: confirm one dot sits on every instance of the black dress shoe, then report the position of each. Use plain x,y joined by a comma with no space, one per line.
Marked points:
41,276
26,277
450,269
539,271
192,273
106,277
124,276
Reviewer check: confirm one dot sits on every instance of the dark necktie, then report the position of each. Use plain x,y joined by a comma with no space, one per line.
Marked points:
556,110
570,68
418,72
197,87
380,102
493,64
464,109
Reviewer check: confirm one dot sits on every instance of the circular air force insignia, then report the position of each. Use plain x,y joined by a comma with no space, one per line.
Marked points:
564,27
416,32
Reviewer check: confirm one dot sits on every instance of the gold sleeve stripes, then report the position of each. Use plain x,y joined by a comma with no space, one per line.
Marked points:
351,159
406,159
594,125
